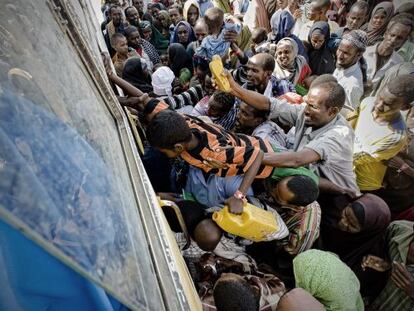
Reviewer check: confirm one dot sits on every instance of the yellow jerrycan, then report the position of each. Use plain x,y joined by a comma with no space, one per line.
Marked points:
216,68
254,223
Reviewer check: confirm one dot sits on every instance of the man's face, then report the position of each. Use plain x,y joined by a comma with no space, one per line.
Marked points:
133,17
116,16
155,12
395,37
285,55
200,32
255,73
387,104
134,40
122,46
282,4
182,34
346,54
281,193
314,12
192,15
246,121
355,19
316,112
175,16
139,5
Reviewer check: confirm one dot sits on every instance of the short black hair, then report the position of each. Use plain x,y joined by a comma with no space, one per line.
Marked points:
326,77
178,7
405,19
304,188
127,9
168,128
336,93
113,6
225,99
402,87
232,295
360,5
116,37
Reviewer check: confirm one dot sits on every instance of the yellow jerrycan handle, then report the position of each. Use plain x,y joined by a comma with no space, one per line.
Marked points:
216,68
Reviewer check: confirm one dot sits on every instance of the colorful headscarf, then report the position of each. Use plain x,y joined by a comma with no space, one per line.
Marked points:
375,35
157,39
328,279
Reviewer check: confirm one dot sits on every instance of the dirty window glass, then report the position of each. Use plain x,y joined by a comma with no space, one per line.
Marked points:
63,173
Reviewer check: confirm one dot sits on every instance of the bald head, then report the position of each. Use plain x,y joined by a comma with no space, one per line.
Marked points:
207,234
264,61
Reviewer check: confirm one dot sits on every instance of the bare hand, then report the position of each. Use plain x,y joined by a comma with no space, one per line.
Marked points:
375,263
229,77
213,163
403,278
297,14
235,205
106,59
352,194
230,36
138,103
396,162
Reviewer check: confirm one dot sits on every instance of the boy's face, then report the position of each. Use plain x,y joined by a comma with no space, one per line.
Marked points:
173,153
164,59
175,16
281,193
122,46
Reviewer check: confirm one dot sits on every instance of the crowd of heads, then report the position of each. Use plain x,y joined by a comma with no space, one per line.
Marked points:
318,123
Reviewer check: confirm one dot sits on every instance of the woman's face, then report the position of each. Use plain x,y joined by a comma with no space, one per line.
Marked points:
182,34
284,55
317,40
378,20
192,15
349,222
147,34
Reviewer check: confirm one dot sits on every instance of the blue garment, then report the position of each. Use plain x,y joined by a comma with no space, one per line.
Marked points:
39,281
279,86
214,190
217,46
204,6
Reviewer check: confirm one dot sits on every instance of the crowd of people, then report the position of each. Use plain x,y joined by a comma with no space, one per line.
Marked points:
316,128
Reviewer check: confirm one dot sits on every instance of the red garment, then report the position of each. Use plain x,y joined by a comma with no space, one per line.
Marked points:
405,215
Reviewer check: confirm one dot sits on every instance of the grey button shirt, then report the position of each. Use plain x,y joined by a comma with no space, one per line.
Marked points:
333,142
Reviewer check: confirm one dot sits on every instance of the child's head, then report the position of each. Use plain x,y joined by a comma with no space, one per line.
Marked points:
232,293
207,234
168,132
165,60
214,18
298,190
119,43
200,29
259,35
176,13
220,104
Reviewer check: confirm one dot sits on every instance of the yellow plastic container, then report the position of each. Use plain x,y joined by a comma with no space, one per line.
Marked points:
253,224
216,68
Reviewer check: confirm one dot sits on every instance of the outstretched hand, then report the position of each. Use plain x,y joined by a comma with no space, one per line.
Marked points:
229,77
106,59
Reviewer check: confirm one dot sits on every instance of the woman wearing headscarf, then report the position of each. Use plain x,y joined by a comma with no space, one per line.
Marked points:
151,34
398,293
164,23
321,57
183,34
377,25
136,72
191,12
328,279
179,59
282,23
289,65
354,230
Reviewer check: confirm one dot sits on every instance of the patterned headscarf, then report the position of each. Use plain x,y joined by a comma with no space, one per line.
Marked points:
358,38
375,35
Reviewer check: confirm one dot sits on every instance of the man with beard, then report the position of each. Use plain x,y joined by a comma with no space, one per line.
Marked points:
114,26
259,77
380,131
348,71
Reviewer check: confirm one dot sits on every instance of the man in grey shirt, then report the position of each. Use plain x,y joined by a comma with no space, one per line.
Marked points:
323,139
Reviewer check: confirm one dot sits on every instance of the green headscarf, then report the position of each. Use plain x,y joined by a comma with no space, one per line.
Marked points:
157,39
328,279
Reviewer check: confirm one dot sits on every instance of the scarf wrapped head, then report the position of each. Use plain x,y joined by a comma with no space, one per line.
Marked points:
179,58
166,16
157,39
328,279
187,6
282,23
191,35
375,35
134,73
322,28
290,42
162,80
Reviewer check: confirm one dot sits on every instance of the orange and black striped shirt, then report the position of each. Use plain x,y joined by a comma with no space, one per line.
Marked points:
238,151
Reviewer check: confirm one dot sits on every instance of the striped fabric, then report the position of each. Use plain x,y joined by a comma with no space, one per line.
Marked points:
188,98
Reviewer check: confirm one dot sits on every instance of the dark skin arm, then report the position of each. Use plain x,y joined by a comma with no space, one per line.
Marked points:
291,159
327,186
236,205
